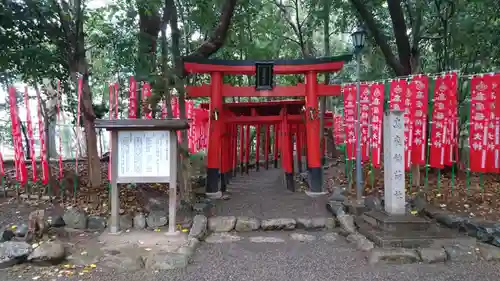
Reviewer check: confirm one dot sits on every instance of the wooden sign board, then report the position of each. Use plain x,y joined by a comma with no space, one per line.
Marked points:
144,156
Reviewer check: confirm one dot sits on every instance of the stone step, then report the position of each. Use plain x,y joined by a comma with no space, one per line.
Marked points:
383,221
404,238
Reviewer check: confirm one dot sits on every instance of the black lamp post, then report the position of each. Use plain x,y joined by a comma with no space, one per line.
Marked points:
358,41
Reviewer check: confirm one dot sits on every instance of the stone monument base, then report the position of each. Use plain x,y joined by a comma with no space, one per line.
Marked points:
405,231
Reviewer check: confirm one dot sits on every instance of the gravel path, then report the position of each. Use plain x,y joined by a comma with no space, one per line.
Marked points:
263,195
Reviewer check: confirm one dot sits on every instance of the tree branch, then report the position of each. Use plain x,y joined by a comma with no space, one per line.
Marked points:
379,38
215,42
400,34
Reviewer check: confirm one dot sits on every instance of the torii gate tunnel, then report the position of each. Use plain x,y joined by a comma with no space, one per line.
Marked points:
287,117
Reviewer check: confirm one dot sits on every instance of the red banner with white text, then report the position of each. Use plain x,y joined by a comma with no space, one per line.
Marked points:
349,92
419,86
481,87
376,117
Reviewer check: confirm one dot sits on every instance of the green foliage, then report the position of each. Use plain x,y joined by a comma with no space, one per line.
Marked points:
456,34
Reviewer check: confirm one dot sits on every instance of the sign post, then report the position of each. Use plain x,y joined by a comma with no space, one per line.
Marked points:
143,151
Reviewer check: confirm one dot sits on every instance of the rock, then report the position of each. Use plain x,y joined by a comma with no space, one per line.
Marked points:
419,204
122,262
221,223
302,237
139,221
489,253
496,240
330,223
48,253
222,237
126,221
247,224
303,222
461,253
75,218
336,208
166,261
311,223
157,218
338,195
484,231
330,237
12,253
96,223
6,235
21,230
278,224
190,246
362,243
450,220
393,255
432,255
199,228
347,223
56,221
373,203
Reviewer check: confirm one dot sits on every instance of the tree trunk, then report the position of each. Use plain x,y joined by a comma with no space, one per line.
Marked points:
51,140
26,139
87,113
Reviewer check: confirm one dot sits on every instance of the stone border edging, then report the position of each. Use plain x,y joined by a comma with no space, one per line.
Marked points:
403,255
202,225
482,230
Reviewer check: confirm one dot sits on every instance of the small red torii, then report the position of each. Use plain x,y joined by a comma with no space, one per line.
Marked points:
287,117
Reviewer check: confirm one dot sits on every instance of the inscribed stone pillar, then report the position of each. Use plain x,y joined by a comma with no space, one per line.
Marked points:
394,172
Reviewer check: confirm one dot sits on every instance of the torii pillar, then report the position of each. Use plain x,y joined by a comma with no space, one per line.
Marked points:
314,166
214,145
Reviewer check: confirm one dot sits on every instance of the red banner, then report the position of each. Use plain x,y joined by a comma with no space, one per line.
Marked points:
364,121
496,89
21,171
451,120
113,114
164,113
479,114
29,128
43,141
401,99
132,104
338,129
409,107
78,118
146,95
492,156
376,114
439,122
58,106
397,94
349,120
419,86
2,169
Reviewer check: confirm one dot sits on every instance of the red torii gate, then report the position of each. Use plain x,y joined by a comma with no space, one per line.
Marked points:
220,128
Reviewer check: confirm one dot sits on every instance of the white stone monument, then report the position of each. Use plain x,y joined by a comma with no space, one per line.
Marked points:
394,163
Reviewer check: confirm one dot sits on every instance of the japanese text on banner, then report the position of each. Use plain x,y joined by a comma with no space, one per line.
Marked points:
479,113
376,115
419,86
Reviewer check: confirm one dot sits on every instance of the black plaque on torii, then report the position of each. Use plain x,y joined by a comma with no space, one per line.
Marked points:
264,76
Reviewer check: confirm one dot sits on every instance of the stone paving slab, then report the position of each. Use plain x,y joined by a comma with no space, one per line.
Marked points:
263,195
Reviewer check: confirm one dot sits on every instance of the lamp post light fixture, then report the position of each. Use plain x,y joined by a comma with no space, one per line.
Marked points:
358,41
